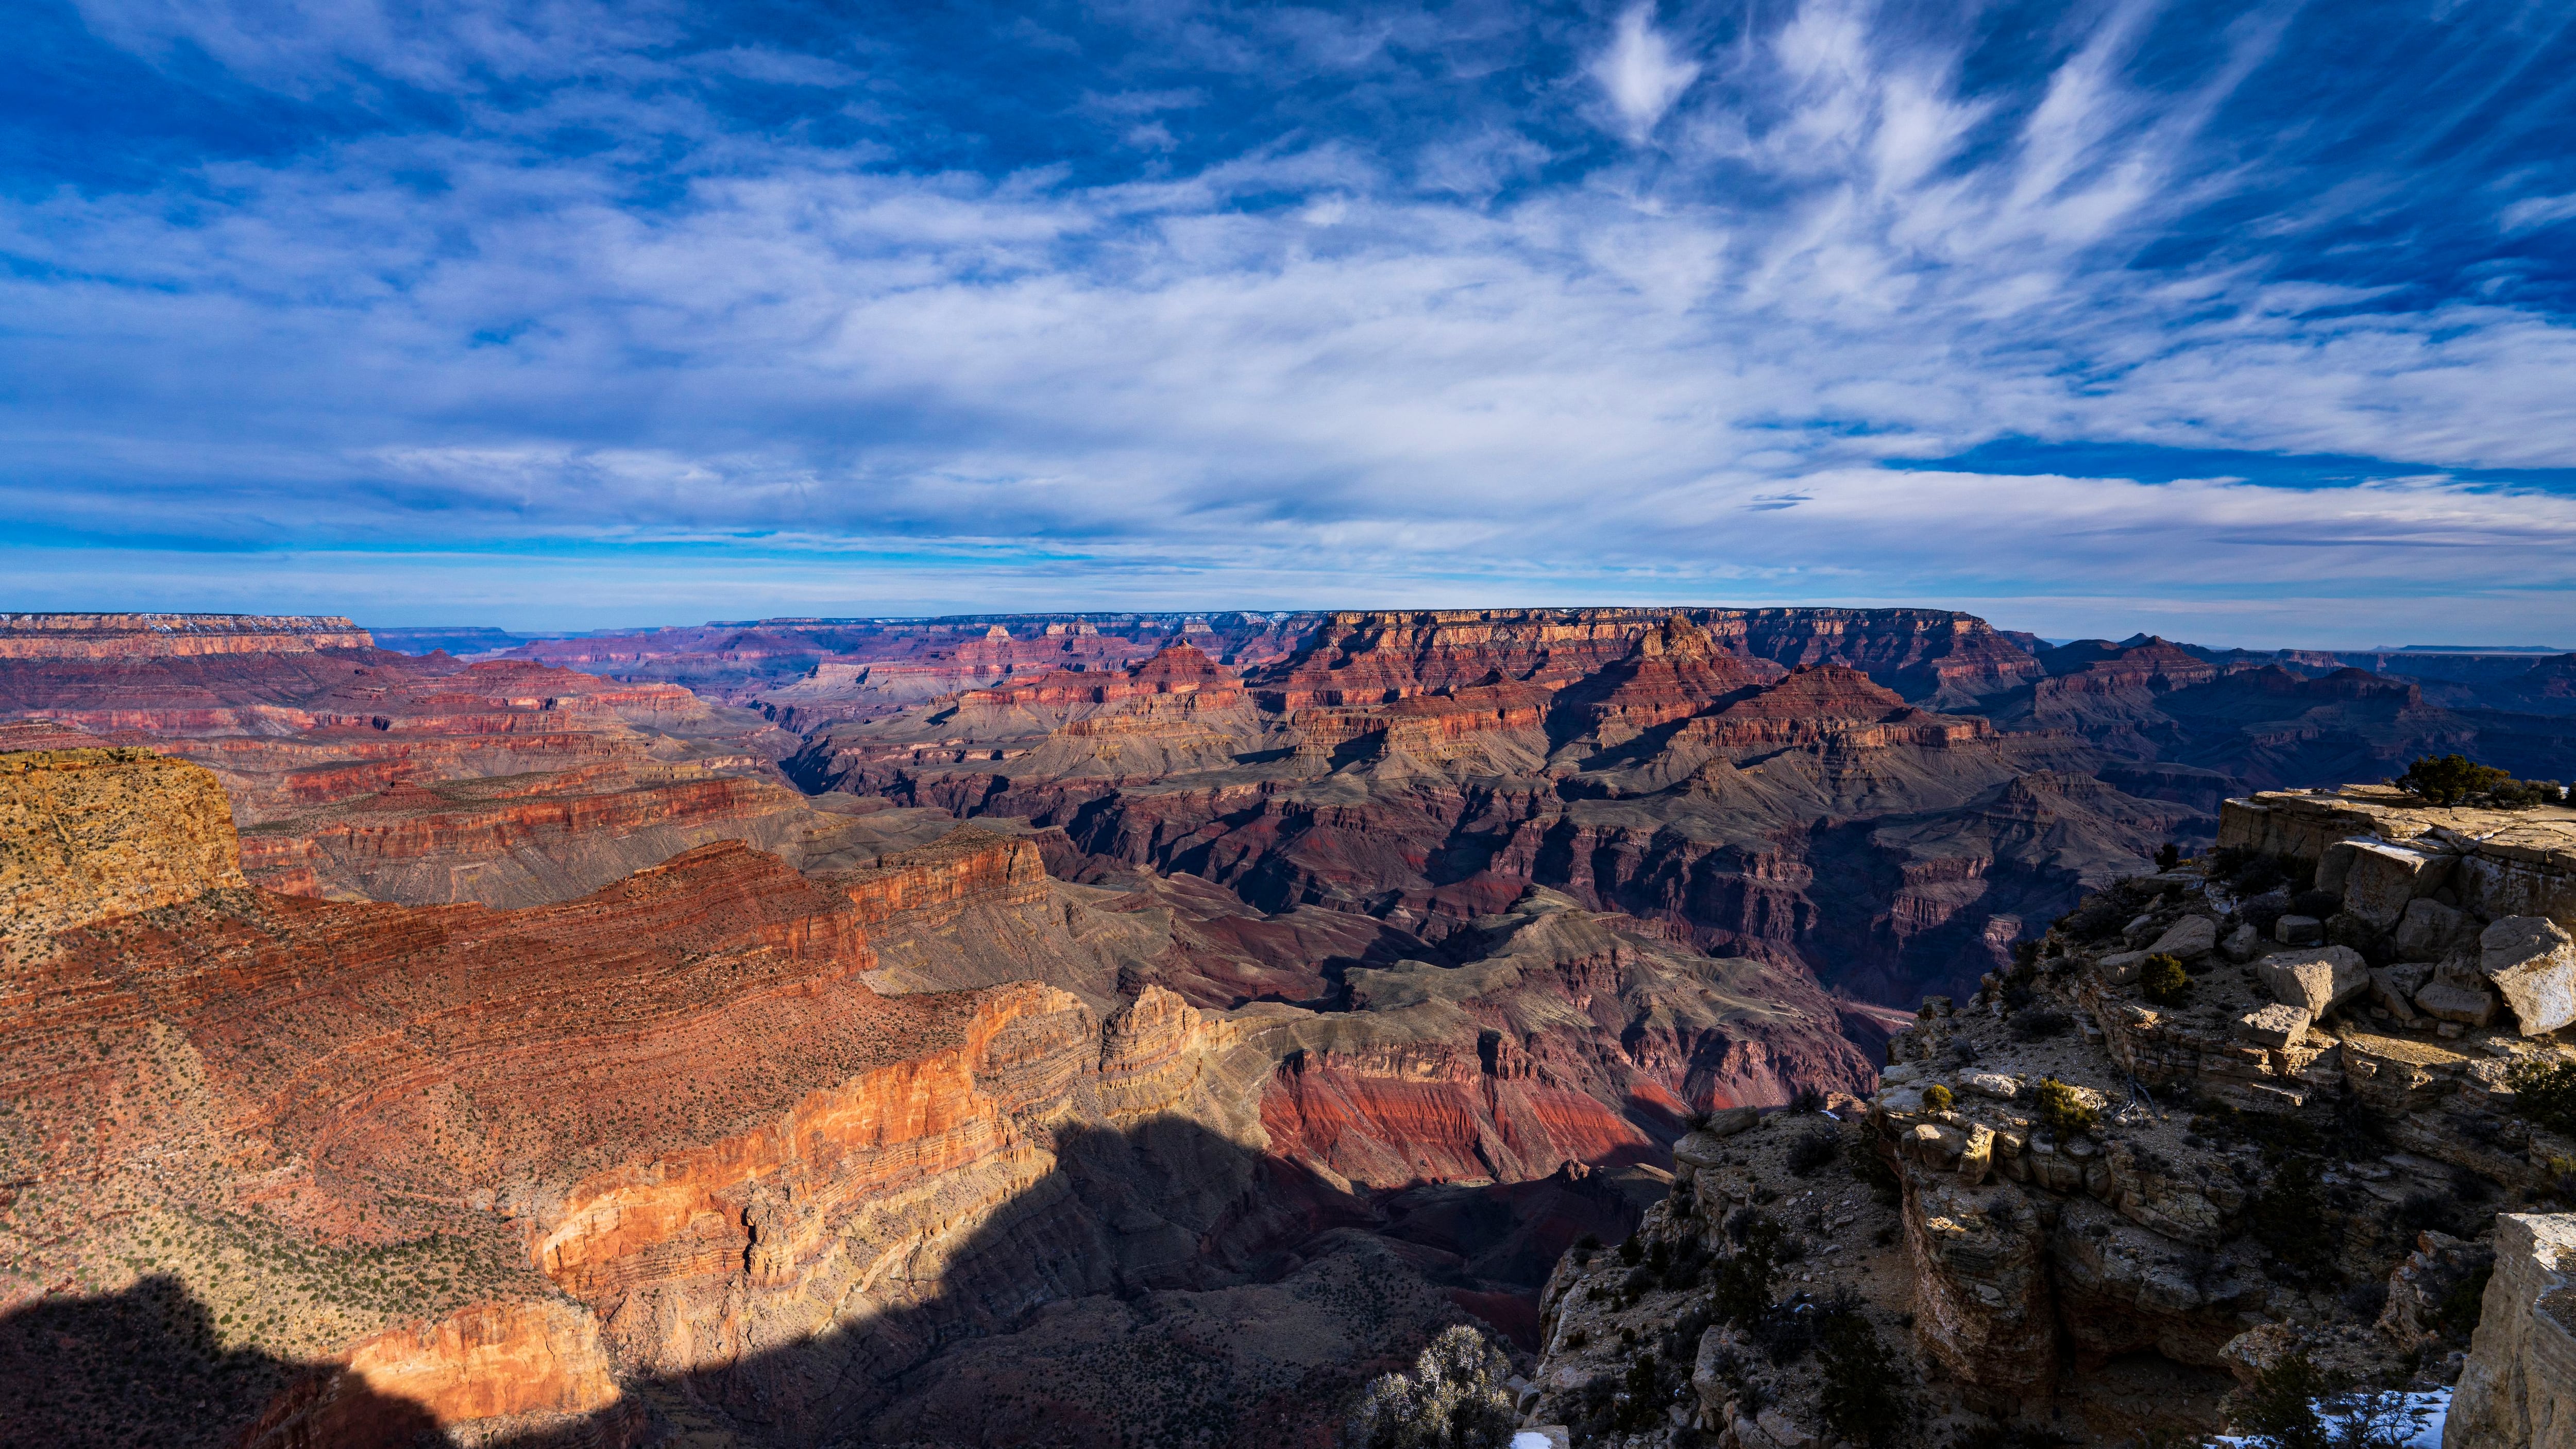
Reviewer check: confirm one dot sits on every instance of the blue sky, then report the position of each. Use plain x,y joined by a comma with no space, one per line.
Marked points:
2248,324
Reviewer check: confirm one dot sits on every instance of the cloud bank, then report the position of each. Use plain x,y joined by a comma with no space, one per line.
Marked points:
582,315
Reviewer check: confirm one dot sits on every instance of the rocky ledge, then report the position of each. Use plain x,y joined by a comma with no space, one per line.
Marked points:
2293,1113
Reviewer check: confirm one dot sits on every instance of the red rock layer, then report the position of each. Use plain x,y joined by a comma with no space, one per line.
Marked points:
1919,652
147,636
1177,669
1829,703
967,864
1371,658
1673,671
558,816
1424,725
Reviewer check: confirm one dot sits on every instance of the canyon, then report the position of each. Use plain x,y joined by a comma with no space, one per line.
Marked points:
1059,1029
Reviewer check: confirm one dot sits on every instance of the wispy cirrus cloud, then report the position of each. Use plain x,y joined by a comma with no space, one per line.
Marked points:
1391,305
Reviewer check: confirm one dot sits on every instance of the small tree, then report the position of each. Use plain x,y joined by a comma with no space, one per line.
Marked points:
2164,980
1861,1401
2450,779
1453,1399
2281,1406
1937,1098
2168,856
1742,1280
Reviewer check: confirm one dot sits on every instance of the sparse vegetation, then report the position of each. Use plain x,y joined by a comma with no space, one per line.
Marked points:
2288,1217
1742,1280
2164,981
2063,1108
1872,1170
2168,856
2544,1093
1938,1098
1860,1399
2458,780
2280,1406
1453,1399
1813,1151
2039,1023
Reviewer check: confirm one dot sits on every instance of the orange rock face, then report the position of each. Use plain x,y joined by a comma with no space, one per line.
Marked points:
91,833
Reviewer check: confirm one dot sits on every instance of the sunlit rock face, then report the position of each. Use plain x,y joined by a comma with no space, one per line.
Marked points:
577,1167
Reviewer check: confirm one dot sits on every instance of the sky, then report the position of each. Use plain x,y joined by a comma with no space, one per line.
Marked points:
2246,324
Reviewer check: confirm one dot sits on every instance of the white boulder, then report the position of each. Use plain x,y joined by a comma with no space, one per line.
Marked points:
2315,981
2188,939
2531,962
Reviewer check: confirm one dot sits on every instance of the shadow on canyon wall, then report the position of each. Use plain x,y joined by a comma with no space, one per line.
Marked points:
142,1369
1162,1286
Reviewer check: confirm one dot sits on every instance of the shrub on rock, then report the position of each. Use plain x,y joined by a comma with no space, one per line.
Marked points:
2064,1109
1453,1399
2544,1093
2164,980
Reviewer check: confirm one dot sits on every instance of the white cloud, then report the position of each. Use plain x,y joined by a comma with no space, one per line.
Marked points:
1313,372
2532,213
1640,71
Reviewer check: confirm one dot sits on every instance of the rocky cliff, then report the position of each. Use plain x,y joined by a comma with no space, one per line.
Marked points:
2257,1110
127,637
660,1159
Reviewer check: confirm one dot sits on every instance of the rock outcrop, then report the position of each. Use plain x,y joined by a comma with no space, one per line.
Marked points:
127,637
2106,1197
2518,1387
90,833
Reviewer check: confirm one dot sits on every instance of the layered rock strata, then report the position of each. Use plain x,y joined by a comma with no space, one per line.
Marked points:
661,1156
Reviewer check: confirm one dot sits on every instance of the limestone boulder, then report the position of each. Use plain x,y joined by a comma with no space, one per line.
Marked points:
2121,968
2316,981
2447,998
1991,1084
2531,963
2276,1026
1731,1121
2383,878
2188,939
2242,944
2428,931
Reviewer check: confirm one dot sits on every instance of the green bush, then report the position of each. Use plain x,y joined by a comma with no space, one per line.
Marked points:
2280,1407
2450,779
2544,1093
1860,1399
1742,1280
1937,1098
2063,1108
1453,1399
2164,980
